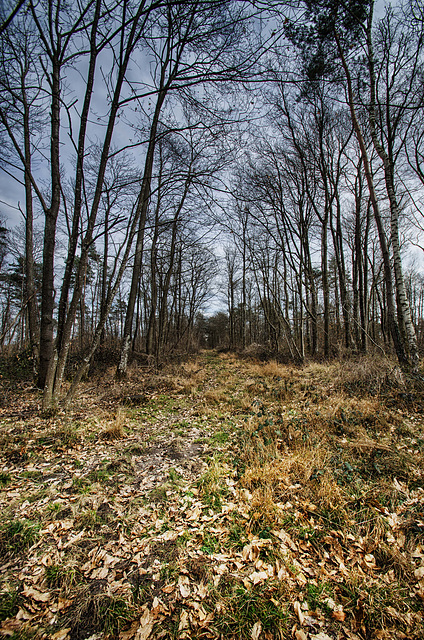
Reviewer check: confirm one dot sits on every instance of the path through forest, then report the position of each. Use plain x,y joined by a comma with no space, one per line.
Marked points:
221,497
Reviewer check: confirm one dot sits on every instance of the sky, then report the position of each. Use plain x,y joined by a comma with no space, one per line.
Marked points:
11,192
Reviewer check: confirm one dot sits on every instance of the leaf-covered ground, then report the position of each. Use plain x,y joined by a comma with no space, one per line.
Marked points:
221,498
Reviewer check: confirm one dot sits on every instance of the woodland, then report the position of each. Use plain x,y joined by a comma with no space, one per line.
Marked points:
211,319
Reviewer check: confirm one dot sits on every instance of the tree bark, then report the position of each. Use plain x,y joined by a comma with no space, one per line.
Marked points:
388,164
47,289
30,290
391,312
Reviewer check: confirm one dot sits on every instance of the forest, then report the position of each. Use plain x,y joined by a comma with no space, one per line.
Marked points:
211,319
214,174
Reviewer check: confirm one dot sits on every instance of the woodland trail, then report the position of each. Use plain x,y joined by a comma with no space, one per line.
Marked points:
219,498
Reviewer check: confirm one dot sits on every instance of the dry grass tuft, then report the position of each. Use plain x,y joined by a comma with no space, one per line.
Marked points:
271,369
283,473
216,396
370,375
116,430
95,611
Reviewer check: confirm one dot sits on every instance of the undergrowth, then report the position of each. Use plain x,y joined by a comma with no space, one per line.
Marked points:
220,497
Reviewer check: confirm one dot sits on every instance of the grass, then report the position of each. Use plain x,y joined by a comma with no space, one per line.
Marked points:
211,484
210,543
239,609
5,479
10,603
317,594
63,577
219,437
381,606
306,486
237,535
116,430
17,536
98,612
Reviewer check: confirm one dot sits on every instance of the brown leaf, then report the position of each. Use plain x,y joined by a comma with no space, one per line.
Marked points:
62,634
298,611
339,615
419,573
184,586
258,576
256,630
29,592
130,633
10,627
146,625
184,624
169,588
202,590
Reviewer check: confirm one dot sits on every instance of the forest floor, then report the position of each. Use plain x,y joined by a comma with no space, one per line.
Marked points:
219,498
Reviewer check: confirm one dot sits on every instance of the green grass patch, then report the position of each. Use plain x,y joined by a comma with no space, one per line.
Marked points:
219,437
239,609
10,602
210,544
316,595
237,536
5,479
62,577
32,475
18,536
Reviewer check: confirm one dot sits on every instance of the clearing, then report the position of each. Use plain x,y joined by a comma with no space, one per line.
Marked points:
219,498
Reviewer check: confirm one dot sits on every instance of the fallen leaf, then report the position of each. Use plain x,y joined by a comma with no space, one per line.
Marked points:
202,590
251,552
395,614
419,573
300,635
23,615
63,603
29,592
130,633
10,627
61,635
99,574
195,514
169,535
330,603
72,540
184,624
256,630
168,588
184,586
338,614
370,560
298,611
146,625
144,632
258,576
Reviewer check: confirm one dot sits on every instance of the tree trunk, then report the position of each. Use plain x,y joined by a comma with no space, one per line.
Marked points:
47,289
388,164
391,313
143,203
30,291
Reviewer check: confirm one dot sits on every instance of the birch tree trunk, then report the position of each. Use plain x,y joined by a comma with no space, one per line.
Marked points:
388,164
